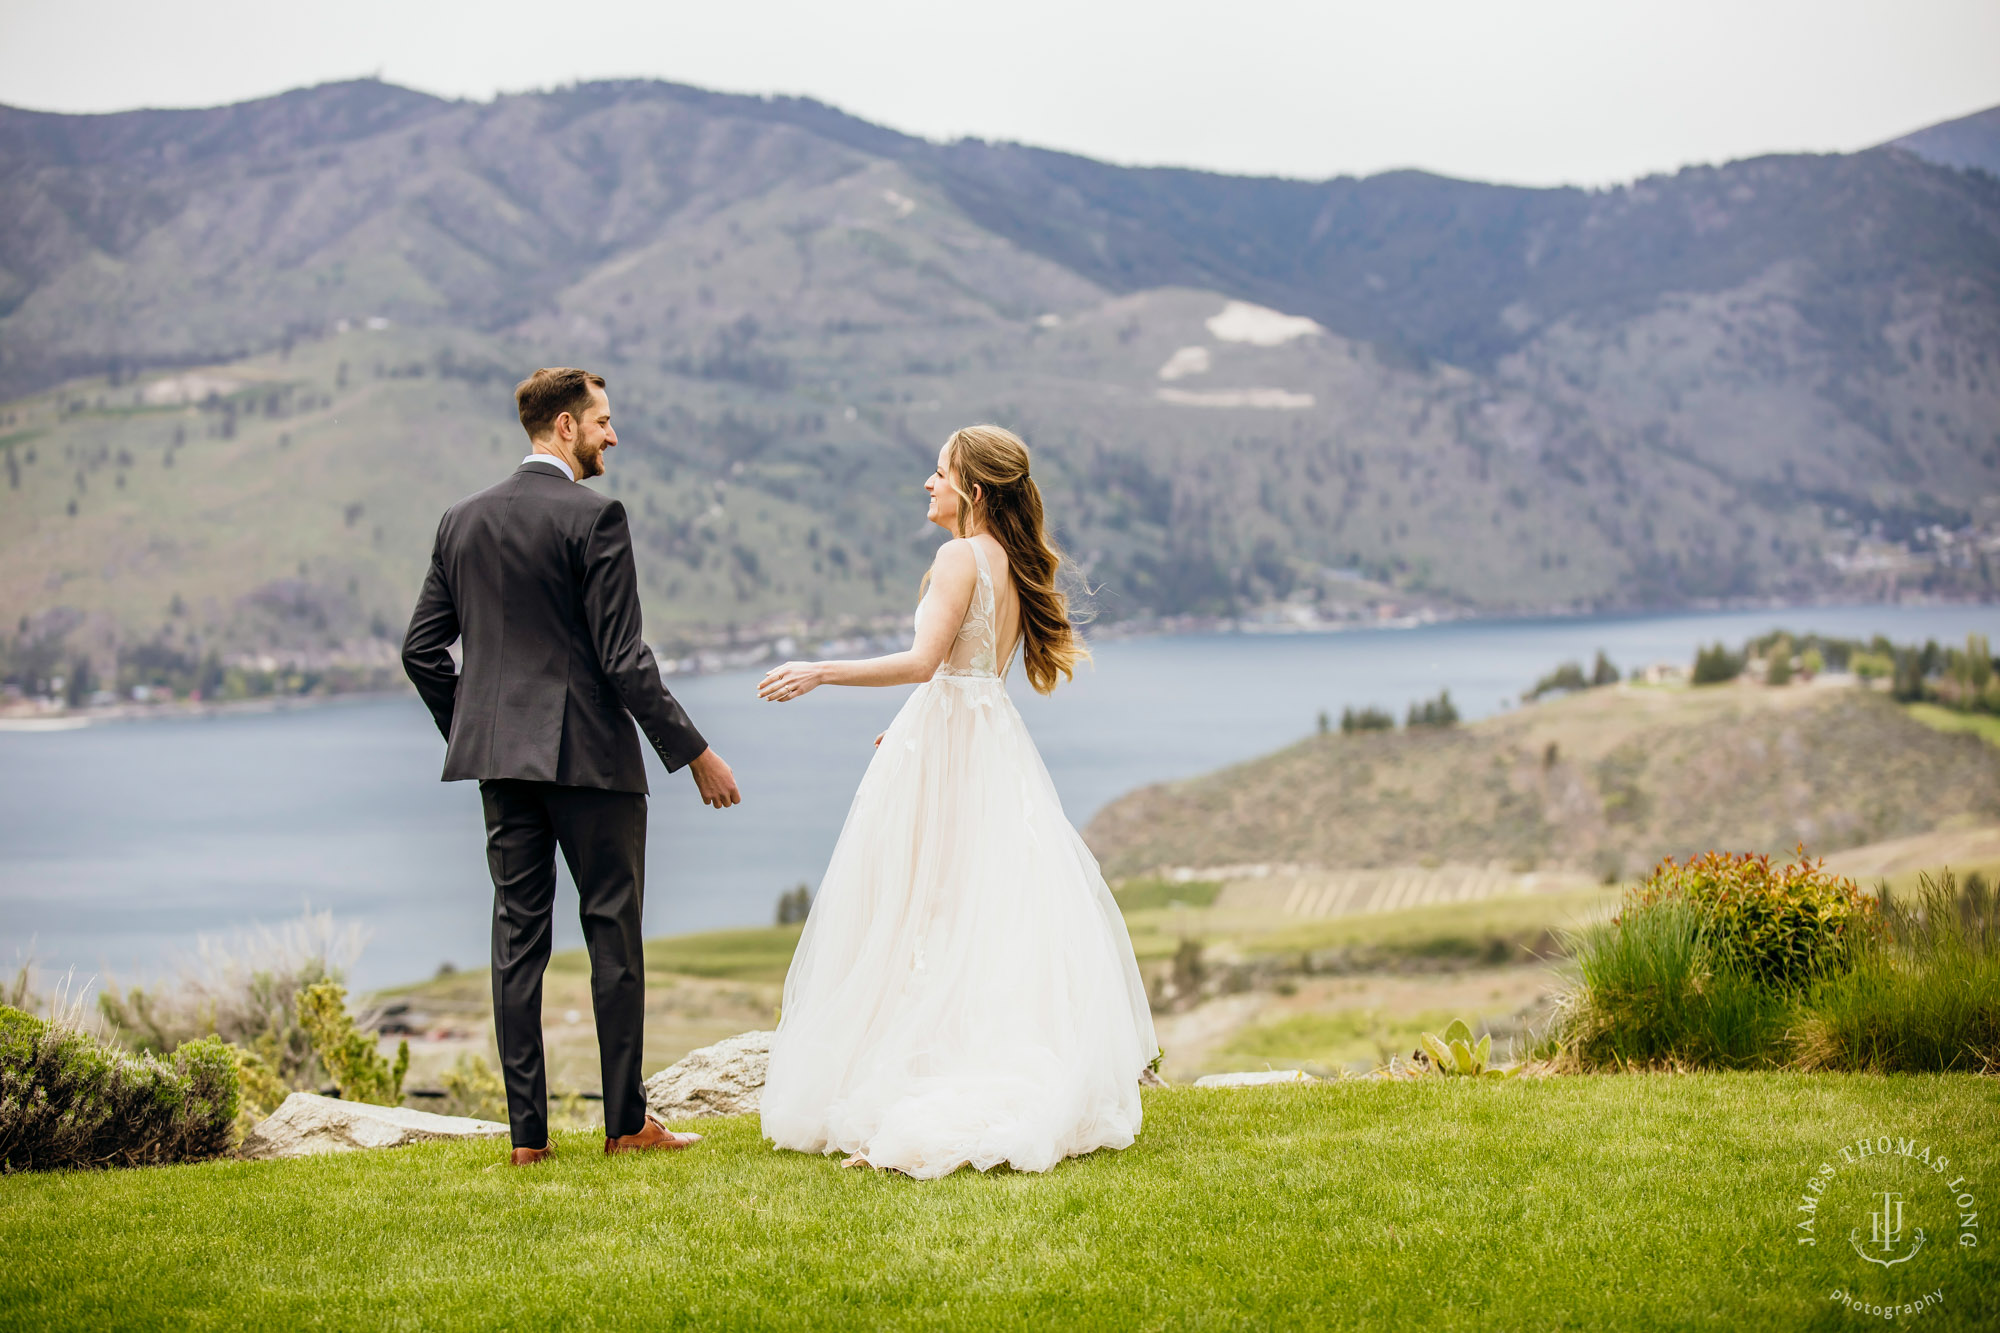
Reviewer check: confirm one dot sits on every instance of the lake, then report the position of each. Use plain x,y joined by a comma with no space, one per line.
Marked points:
121,844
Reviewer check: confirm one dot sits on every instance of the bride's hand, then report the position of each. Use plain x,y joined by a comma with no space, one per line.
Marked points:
789,681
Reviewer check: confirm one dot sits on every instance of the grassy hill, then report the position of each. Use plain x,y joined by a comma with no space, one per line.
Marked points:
1606,782
1769,378
1609,1202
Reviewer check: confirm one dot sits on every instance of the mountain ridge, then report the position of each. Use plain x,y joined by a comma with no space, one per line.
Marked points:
1775,378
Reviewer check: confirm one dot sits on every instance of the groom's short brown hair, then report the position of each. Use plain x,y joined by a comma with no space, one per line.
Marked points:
550,392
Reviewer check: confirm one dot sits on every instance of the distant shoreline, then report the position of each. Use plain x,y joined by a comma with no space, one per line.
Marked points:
181,710
750,656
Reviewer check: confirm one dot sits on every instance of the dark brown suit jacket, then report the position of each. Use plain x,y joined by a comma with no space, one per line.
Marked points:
536,575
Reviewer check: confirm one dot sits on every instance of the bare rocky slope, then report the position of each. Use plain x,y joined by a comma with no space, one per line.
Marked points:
1606,782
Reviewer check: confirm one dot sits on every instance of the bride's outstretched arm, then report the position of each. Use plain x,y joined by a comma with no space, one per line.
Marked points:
952,576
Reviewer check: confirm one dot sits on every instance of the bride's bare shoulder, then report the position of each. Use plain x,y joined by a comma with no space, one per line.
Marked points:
954,560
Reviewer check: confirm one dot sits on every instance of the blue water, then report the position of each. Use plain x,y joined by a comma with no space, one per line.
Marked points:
121,844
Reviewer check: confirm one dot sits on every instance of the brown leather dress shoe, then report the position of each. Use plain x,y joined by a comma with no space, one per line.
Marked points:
530,1156
653,1138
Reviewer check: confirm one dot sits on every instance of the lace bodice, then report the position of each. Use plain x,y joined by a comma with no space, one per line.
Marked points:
976,650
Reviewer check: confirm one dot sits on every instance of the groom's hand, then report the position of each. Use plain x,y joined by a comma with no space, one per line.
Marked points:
714,780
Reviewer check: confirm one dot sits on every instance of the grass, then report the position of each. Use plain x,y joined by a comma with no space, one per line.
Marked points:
1654,990
1150,893
1332,1039
1584,1203
1925,995
1505,929
1983,725
759,953
1916,990
1605,783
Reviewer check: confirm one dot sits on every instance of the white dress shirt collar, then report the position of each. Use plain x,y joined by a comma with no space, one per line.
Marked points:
551,458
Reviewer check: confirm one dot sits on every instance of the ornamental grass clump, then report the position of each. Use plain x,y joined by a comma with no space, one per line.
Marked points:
1924,994
69,1100
1651,990
1707,962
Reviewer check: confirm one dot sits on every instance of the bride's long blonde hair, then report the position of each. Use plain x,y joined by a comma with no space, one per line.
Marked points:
994,460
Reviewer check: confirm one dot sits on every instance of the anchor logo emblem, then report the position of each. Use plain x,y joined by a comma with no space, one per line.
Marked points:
1885,1230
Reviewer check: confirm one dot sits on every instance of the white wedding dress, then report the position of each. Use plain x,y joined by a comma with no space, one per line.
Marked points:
965,990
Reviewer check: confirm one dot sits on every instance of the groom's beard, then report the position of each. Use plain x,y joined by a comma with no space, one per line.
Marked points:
589,460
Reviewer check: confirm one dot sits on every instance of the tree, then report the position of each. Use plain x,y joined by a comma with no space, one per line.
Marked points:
1437,712
78,688
1717,665
1366,719
1778,662
1602,672
794,906
1567,678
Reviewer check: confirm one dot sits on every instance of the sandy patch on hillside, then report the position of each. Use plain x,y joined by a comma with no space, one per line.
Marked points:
1281,399
1261,326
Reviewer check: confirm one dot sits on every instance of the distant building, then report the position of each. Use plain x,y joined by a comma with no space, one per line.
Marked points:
1664,673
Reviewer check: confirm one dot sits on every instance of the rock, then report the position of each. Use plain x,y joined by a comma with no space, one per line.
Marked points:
1252,1078
308,1124
724,1079
1149,1079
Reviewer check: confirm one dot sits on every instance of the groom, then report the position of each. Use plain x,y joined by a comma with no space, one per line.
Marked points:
536,576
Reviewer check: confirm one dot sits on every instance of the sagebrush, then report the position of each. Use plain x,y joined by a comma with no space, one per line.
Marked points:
70,1100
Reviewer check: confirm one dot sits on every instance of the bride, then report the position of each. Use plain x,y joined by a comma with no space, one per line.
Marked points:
965,990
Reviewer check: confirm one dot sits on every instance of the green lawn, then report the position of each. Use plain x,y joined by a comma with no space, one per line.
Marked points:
756,953
1632,1202
1983,725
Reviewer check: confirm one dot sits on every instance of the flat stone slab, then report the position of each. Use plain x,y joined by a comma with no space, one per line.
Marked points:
1254,1078
724,1079
309,1124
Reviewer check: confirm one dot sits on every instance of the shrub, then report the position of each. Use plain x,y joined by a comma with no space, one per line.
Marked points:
1652,990
474,1088
69,1100
1782,927
259,1090
1924,994
348,1053
243,988
1871,665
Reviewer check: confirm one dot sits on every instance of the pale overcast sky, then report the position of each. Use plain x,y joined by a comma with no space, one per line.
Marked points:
1526,91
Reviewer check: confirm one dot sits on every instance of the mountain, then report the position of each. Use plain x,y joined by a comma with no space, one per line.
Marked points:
248,353
1969,142
1605,782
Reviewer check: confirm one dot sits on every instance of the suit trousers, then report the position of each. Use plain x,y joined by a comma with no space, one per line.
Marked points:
602,836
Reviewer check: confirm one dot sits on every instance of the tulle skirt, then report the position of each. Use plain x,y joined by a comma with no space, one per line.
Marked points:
965,990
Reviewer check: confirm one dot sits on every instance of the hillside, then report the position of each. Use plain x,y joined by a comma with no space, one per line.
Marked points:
1605,782
1773,378
1969,141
